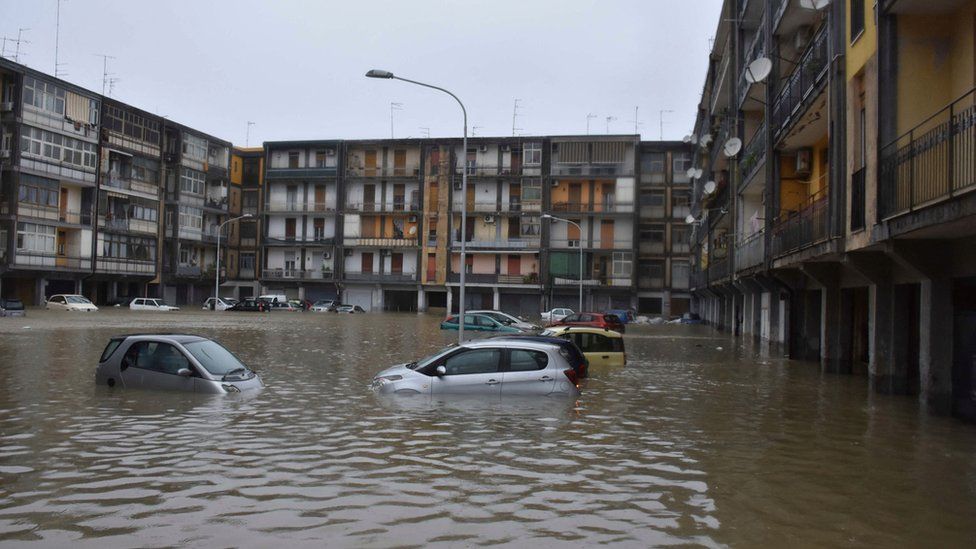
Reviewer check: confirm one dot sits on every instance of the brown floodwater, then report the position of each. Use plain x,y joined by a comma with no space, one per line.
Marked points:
699,440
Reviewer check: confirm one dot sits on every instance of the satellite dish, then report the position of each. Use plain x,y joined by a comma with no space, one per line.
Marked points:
814,4
690,219
690,173
759,70
687,138
732,147
412,230
698,173
709,187
705,140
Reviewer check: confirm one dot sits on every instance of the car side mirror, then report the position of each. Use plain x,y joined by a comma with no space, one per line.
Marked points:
184,372
440,370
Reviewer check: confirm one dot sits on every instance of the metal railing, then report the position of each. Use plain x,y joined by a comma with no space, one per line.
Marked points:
808,75
750,251
597,244
591,169
934,161
363,171
28,258
752,156
756,49
282,240
125,265
650,281
379,277
216,203
488,171
383,207
857,200
381,242
53,214
504,243
127,184
596,207
802,228
189,271
289,207
718,269
488,278
301,173
296,274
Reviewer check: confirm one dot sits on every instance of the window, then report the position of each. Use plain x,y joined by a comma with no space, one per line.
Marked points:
250,199
191,218
857,19
194,148
680,162
247,261
479,361
622,264
214,357
155,356
322,158
680,273
292,159
652,198
43,95
128,247
249,229
532,154
680,237
56,147
191,181
532,190
530,225
652,162
652,235
38,190
32,237
522,360
680,199
145,170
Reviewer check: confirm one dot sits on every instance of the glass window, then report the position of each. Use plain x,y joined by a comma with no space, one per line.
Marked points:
214,357
680,162
523,360
155,356
477,361
532,154
857,19
194,148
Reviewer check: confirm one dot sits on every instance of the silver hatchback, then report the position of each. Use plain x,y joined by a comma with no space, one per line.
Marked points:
173,362
484,367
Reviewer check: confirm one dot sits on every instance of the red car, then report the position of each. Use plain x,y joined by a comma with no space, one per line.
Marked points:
593,320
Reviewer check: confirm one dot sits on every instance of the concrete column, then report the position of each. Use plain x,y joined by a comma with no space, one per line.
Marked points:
40,291
665,304
301,292
421,300
450,300
936,344
77,287
880,318
896,376
496,299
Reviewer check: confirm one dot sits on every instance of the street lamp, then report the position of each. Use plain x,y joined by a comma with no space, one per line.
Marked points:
217,274
376,73
554,218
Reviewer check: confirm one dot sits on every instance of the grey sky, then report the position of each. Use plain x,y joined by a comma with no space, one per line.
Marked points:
296,68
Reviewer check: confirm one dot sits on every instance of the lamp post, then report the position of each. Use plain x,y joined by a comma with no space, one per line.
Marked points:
554,218
376,73
217,274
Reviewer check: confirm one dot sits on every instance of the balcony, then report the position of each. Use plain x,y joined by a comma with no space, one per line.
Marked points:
297,207
857,200
210,234
753,156
574,244
621,169
385,172
746,89
46,261
188,271
359,276
381,242
606,281
126,266
482,278
383,207
932,163
300,173
127,224
501,244
718,270
474,170
802,228
750,251
296,274
647,247
54,214
216,203
808,77
698,279
597,207
281,240
117,181
650,282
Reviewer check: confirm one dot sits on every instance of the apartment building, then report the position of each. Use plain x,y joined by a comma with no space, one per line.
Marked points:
240,272
839,224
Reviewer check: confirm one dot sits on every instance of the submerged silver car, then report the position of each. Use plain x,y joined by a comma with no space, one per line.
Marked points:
173,362
485,367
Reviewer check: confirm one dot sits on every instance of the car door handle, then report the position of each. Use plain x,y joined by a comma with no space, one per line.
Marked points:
545,378
491,382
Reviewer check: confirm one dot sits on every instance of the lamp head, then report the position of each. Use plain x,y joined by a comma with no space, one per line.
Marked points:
546,216
377,73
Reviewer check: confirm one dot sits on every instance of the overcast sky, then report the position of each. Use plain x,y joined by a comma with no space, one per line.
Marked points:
296,69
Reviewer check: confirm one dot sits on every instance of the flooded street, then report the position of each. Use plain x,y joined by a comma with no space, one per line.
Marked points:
698,440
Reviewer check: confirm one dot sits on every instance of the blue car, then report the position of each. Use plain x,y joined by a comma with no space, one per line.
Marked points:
478,323
626,316
690,318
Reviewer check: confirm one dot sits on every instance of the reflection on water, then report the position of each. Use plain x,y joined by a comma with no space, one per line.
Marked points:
698,440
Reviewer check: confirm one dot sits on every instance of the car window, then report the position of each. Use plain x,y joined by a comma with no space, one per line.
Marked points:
594,343
611,319
214,357
571,318
476,361
524,360
483,321
57,299
113,344
77,299
14,305
156,356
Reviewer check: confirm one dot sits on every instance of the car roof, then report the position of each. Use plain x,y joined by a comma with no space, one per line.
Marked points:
583,330
530,342
178,338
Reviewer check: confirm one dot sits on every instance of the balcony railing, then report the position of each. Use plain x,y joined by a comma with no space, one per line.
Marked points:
802,228
487,171
718,269
482,278
750,252
379,277
300,173
650,281
598,280
296,274
216,202
128,224
596,207
125,266
698,279
752,156
756,49
127,184
383,207
572,244
857,200
53,214
290,207
502,244
933,162
363,171
646,247
809,74
381,242
281,240
591,169
27,258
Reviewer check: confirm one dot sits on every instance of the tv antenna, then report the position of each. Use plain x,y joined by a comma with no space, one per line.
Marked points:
426,131
16,41
661,114
57,39
589,116
394,106
247,135
474,130
105,74
609,120
637,122
111,85
514,115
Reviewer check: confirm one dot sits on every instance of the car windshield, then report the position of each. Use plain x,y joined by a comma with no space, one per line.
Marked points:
77,299
425,361
14,304
212,356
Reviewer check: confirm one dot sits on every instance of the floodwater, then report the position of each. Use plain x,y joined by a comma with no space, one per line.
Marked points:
698,440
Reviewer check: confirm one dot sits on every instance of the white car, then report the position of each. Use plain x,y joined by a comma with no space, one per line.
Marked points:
150,304
506,319
223,303
69,302
556,314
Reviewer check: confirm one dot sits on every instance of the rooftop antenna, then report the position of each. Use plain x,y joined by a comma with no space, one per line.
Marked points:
514,115
426,131
247,136
105,73
589,116
111,85
474,130
57,38
609,120
637,122
661,116
394,107
20,33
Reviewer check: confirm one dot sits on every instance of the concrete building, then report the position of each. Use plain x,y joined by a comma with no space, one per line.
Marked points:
244,236
842,231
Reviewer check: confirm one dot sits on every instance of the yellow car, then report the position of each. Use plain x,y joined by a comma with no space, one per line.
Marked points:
601,347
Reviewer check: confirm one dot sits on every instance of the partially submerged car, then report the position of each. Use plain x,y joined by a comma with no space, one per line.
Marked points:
173,362
492,367
252,305
601,347
150,304
12,307
558,313
593,320
478,323
507,319
324,306
350,309
223,303
69,302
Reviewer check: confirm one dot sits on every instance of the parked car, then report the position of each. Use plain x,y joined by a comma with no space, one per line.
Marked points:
602,348
223,303
507,319
555,314
70,302
492,367
273,298
150,304
283,306
626,316
121,301
250,304
174,362
351,309
12,307
691,318
570,351
324,306
594,320
478,323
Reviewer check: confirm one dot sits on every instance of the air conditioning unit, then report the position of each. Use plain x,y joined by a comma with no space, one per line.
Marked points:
458,185
412,219
506,148
347,252
326,255
489,219
386,252
802,37
574,243
555,183
483,148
